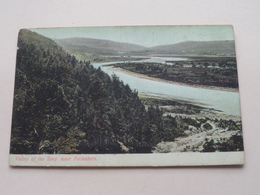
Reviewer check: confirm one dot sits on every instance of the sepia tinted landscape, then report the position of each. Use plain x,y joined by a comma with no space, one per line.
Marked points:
100,94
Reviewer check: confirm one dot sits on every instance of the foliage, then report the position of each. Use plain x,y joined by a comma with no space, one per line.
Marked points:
62,105
219,74
65,106
235,143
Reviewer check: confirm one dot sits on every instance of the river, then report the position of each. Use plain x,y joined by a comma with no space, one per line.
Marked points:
225,101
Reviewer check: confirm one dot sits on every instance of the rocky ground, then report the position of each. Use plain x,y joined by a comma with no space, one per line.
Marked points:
197,140
214,131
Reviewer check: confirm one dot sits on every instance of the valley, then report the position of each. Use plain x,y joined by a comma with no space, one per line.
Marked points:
83,95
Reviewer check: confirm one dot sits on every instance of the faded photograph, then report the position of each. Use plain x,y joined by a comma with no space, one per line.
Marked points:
138,89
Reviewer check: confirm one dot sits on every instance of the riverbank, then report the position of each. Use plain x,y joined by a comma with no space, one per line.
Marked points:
192,128
111,67
182,108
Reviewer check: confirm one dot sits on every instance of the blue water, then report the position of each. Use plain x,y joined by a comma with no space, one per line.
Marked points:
225,101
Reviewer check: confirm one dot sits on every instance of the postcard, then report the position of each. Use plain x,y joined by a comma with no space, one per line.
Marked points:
126,96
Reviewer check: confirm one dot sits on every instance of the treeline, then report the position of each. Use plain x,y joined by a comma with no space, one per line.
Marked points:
65,106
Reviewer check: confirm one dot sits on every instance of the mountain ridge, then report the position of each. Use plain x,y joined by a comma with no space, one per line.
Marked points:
101,46
199,47
97,45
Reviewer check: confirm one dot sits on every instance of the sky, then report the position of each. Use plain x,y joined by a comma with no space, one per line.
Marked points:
147,36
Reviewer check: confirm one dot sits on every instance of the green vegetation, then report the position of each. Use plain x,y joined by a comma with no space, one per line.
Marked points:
199,128
65,106
222,73
62,105
235,143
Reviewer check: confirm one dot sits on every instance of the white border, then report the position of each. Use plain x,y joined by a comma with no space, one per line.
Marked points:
129,160
245,17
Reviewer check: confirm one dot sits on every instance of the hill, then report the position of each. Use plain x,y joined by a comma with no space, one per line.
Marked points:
27,37
197,47
97,45
84,46
65,106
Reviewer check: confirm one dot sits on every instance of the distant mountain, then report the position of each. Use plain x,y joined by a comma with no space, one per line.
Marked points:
97,45
196,47
100,46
